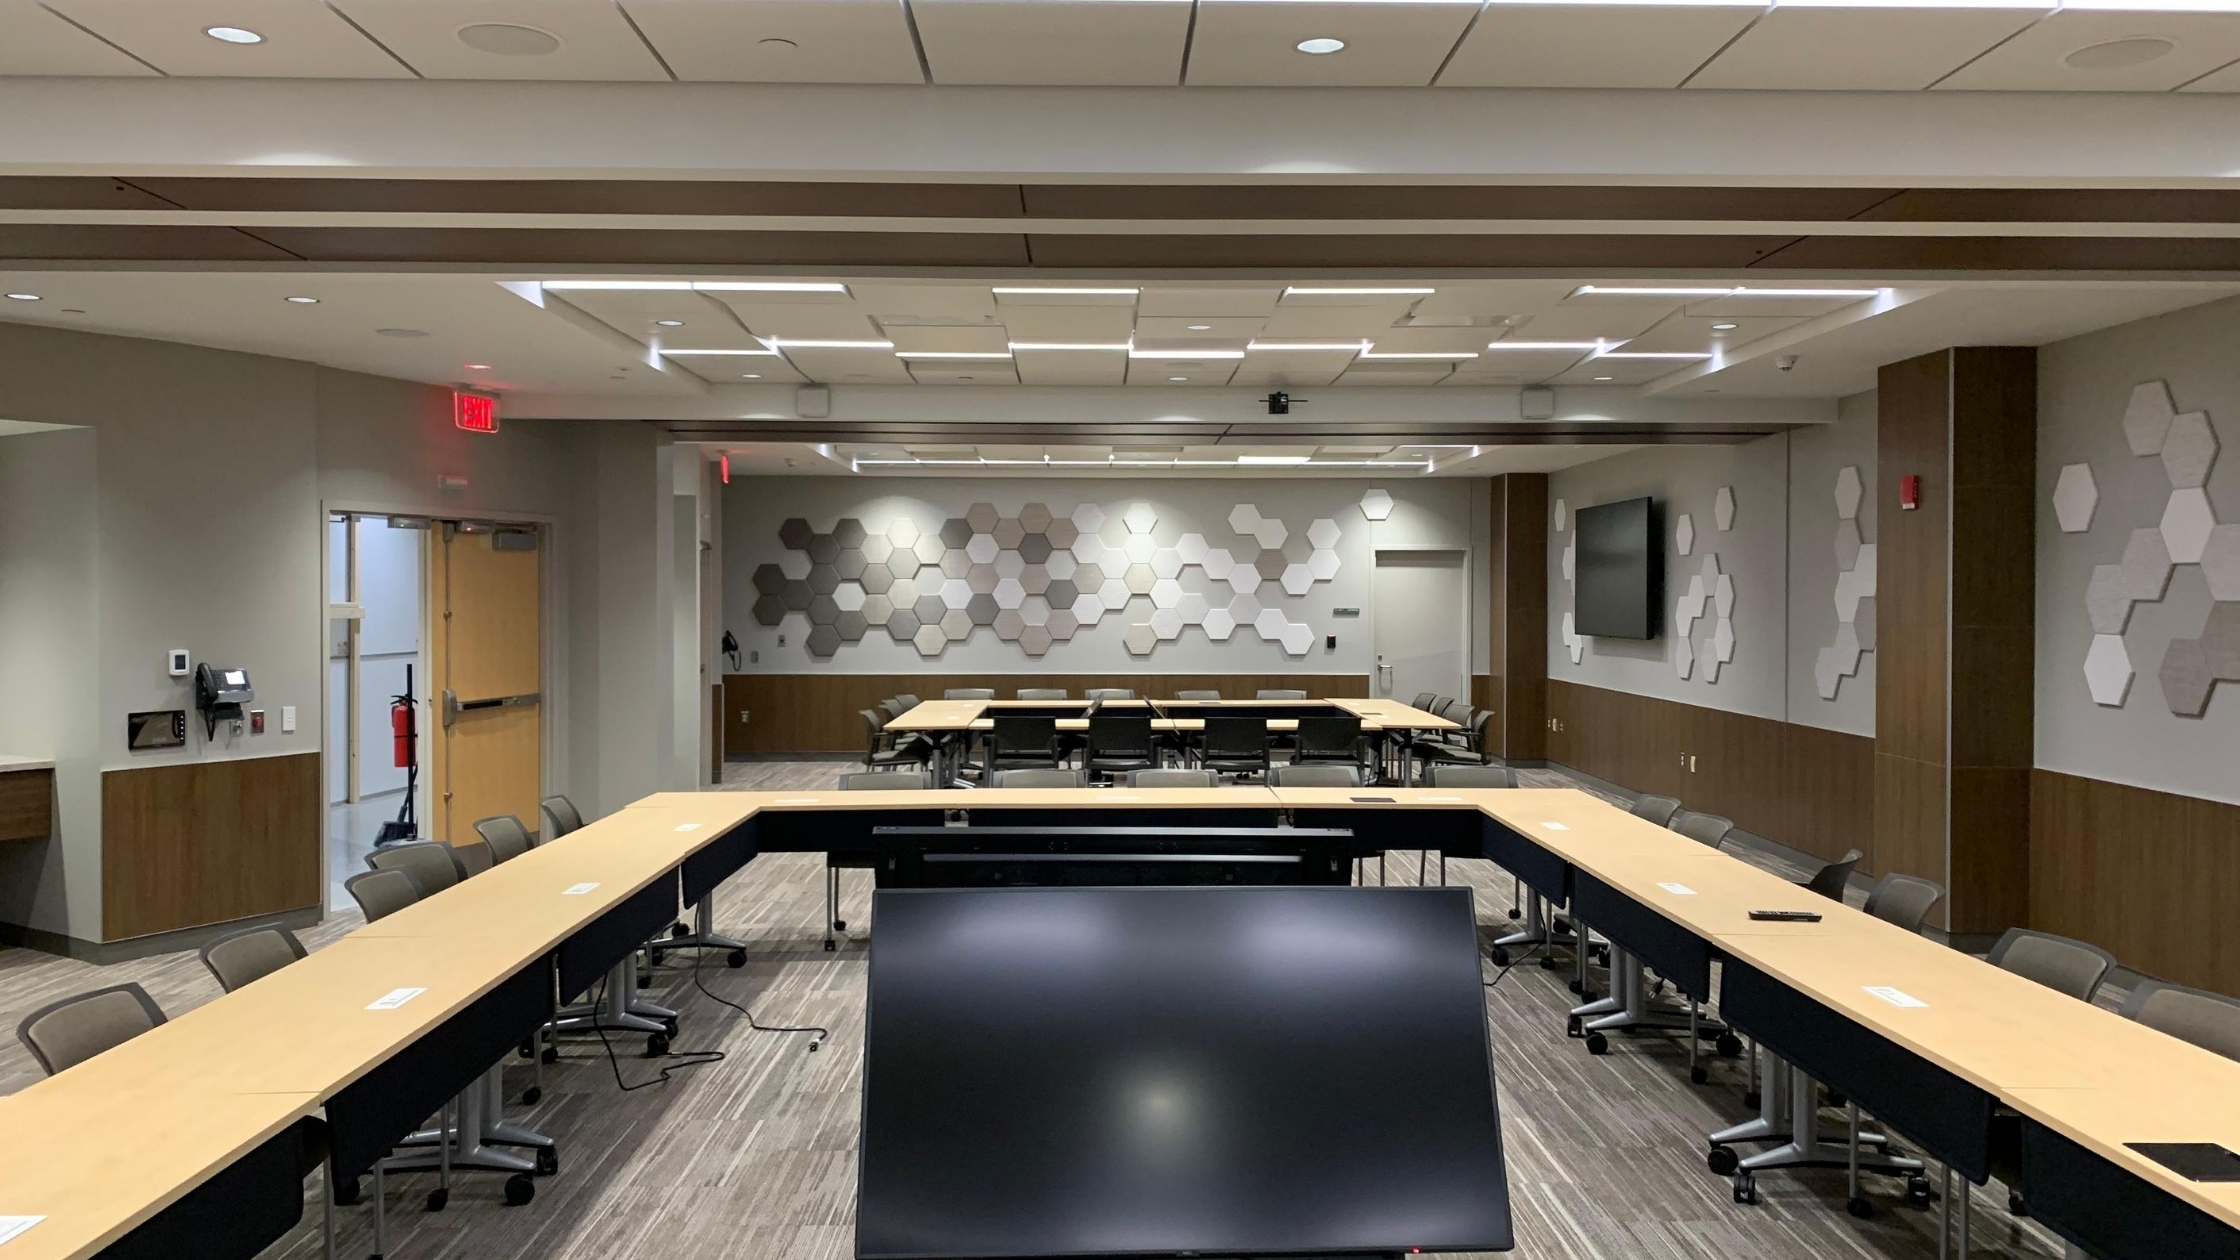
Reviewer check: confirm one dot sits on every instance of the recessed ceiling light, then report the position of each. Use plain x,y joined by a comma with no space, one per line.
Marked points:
1201,328
1546,345
2119,54
1605,378
508,39
670,323
952,354
1069,345
304,301
1300,291
1178,378
1321,47
750,376
399,332
782,344
23,297
1724,327
233,34
478,367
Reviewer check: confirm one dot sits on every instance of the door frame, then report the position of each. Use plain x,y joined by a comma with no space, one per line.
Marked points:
1469,610
553,680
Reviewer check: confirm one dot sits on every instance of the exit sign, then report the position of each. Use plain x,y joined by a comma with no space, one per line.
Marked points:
476,413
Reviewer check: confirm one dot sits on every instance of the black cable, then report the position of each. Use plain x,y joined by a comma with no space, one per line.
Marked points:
1498,976
698,983
687,1058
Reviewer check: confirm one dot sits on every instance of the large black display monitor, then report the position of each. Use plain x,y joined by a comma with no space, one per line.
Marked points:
1177,1071
1620,568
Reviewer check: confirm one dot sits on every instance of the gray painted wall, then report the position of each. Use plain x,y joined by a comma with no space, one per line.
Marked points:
2084,385
1815,457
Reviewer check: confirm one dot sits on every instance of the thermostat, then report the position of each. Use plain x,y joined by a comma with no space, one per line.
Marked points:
176,660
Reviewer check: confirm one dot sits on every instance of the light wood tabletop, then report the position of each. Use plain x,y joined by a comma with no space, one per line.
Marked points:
939,716
2147,1109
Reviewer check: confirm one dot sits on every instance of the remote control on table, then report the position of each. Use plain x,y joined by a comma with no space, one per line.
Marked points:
1786,916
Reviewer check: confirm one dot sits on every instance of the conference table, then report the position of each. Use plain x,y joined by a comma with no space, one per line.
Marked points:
129,1151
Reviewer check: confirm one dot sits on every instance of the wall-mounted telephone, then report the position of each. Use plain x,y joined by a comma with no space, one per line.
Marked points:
219,693
731,649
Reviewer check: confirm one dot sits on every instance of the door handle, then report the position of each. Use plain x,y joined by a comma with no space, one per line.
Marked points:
453,706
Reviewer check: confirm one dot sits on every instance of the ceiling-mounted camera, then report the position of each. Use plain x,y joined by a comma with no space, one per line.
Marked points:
1279,403
1786,362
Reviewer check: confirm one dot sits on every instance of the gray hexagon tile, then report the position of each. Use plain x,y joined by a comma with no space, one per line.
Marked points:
1270,532
1193,607
1166,593
956,625
2075,495
1166,623
1826,678
982,517
848,532
1847,649
1219,625
902,625
1035,640
930,641
2105,603
905,591
952,536
1863,624
1244,518
1848,491
851,626
902,531
1683,657
823,611
1061,565
876,610
1140,518
2146,420
2220,640
931,609
1034,548
2186,523
2145,565
1376,505
2189,449
769,579
1035,579
797,594
822,549
1062,624
1062,534
1722,509
1270,564
1008,624
795,533
2107,670
1296,549
1217,563
1035,517
1847,544
1010,564
2185,677
982,578
769,610
2220,562
1323,565
876,548
901,563
1088,518
824,579
956,564
984,609
1140,640
850,564
823,640
1684,534
1323,534
1008,533
878,577
1036,610
1244,610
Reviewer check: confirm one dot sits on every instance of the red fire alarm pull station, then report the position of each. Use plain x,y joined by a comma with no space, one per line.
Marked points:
1909,492
476,413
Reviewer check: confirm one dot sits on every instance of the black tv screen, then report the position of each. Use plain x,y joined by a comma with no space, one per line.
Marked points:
1620,570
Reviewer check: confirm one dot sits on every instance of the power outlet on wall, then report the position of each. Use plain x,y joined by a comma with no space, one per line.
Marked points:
744,715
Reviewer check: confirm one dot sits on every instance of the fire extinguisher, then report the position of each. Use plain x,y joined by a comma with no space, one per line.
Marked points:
404,728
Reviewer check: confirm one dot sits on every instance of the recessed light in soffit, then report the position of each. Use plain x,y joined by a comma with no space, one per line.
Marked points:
2119,54
233,34
508,39
400,332
1321,47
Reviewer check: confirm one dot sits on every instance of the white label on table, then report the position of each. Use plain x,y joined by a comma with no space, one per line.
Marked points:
1555,826
1678,890
10,1226
394,998
1895,997
577,890
1439,800
688,826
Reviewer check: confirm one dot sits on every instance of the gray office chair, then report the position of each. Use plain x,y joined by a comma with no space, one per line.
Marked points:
1457,775
1316,776
1706,829
61,1035
1833,877
880,750
562,816
1040,779
887,781
890,709
428,862
474,857
381,893
1108,693
1120,742
1198,694
906,700
2057,962
2208,1020
969,693
1423,700
1172,778
1234,744
505,835
1656,809
237,958
1279,693
1904,900
1045,693
1475,747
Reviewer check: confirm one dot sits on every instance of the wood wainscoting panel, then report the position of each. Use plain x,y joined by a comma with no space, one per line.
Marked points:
201,842
2151,877
1808,788
797,713
1518,647
26,804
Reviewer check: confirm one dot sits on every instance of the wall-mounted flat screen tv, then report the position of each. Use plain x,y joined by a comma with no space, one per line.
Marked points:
1620,570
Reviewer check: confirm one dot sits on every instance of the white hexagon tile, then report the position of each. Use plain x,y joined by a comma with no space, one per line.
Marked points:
1855,590
1684,534
2107,670
2075,495
1376,505
1563,516
1722,509
2186,523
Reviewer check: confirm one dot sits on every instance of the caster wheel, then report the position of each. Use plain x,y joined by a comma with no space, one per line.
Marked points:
653,959
548,1160
1723,1160
672,1025
1571,1026
736,958
1597,1043
1514,913
2015,1204
1918,1193
1500,956
1698,1075
519,1189
657,1045
1576,987
678,931
1859,1208
1547,963
552,1054
839,925
1745,1188
531,1096
438,1199
347,1193
1752,1098
1728,1045
526,1050
645,982
829,946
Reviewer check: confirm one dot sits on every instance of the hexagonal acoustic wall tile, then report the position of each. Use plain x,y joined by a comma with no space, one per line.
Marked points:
1217,563
1570,557
1139,548
1114,593
2107,670
1191,548
1722,640
2189,449
983,517
930,609
1062,624
1573,641
902,531
795,534
956,592
1035,517
1376,505
1848,594
850,564
1847,544
1296,549
2105,603
824,579
956,564
1722,508
1062,533
1244,610
1244,518
1140,578
902,563
1323,565
797,594
2145,565
1140,639
823,640
956,625
1683,657
1722,596
1866,568
822,549
904,592
1034,548
1010,594
984,609
1166,593
930,549
848,532
1036,610
982,548
1166,562
1140,518
1847,649
769,610
1826,678
1010,564
2186,523
1166,623
2220,640
2185,676
849,596
1270,564
1684,534
930,640
1270,623
1008,533
1270,532
1088,549
1193,607
1088,608
876,609
1219,625
878,577
902,625
1298,639
1848,490
2146,420
1088,518
1863,623
1089,577
1008,625
1297,580
2075,495
876,548
2220,562
1035,640
1035,579
851,626
955,533
823,611
1244,579
1061,564
769,579
1323,534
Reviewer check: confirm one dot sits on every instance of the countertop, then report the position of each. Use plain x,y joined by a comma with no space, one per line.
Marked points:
8,763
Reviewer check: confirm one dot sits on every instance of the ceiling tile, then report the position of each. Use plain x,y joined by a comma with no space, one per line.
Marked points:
1585,321
1255,42
781,41
34,41
807,323
1430,340
1406,372
1620,371
2033,61
1228,328
1746,305
950,372
1073,324
983,340
1345,323
1592,45
958,302
1492,297
303,39
1804,47
876,367
1193,371
1284,376
1072,367
1284,367
744,371
1691,332
1529,365
1077,43
595,41
1241,302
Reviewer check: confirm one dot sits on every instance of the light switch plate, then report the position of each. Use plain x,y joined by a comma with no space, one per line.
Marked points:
178,662
287,719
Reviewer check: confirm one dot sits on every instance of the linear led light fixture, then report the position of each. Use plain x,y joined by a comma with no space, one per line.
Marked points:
1549,345
783,344
1069,345
702,286
952,354
1652,354
1324,347
1439,355
1730,291
1306,291
1252,460
1135,353
1062,292
764,353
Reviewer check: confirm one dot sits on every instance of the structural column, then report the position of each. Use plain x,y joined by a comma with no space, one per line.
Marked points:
1518,651
1955,628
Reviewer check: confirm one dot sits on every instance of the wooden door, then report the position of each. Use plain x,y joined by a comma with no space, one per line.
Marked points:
486,741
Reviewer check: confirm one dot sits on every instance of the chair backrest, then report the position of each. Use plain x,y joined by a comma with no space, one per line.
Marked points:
906,701
890,709
1126,733
563,816
428,862
1460,776
2064,965
1023,735
1279,693
969,693
1833,877
474,857
250,954
1040,779
1656,809
1230,738
1316,776
61,1035
1173,778
872,726
505,835
1904,900
1330,736
1440,705
1108,693
1708,829
887,781
1201,693
381,893
2208,1020
1044,693
1423,700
